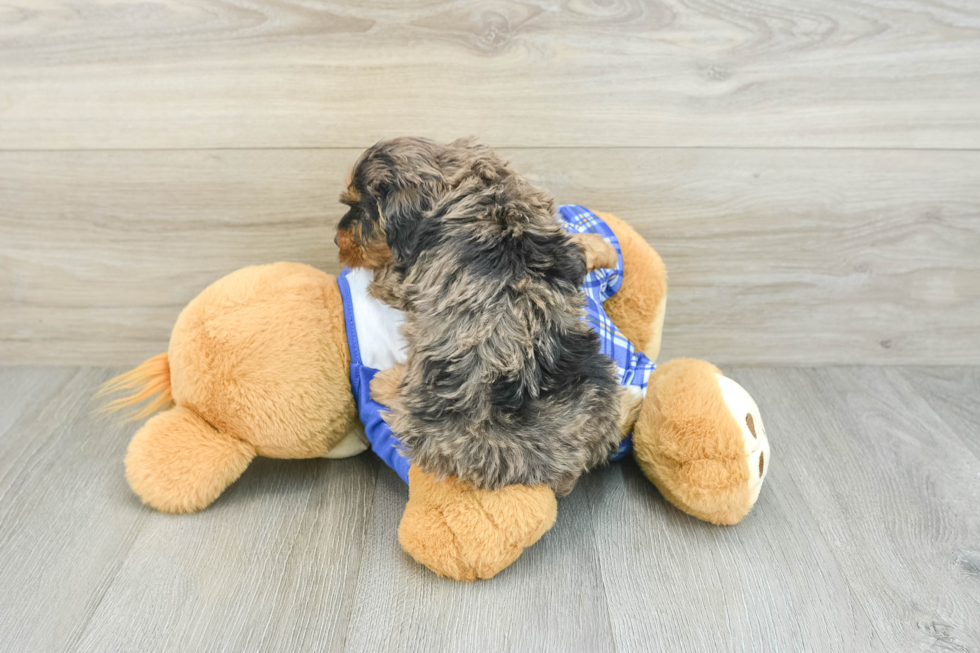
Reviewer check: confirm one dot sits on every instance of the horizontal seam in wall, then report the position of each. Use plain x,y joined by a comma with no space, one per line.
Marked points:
499,147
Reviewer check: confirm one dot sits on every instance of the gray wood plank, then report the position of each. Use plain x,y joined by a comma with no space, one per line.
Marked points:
23,389
954,393
180,74
893,492
550,599
770,583
271,566
87,567
774,256
63,535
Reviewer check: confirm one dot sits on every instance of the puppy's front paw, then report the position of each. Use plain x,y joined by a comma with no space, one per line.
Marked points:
598,252
384,385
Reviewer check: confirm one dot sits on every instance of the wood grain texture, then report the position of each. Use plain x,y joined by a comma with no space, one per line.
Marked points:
21,392
945,389
67,521
271,566
774,256
892,490
263,73
676,584
864,539
551,599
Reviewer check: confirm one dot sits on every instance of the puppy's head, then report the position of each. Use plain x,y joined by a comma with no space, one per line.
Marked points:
390,189
360,234
395,185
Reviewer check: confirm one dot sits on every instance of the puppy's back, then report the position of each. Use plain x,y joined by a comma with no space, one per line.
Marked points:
505,382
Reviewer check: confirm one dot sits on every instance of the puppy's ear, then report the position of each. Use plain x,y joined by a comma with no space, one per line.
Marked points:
401,214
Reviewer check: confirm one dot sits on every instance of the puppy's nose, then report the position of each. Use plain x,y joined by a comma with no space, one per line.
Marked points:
336,241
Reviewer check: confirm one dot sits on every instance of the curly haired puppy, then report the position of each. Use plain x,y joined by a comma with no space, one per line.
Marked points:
504,382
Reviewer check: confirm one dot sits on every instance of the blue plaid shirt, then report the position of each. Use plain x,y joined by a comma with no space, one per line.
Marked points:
632,367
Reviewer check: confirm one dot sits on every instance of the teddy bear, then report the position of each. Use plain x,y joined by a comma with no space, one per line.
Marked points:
260,364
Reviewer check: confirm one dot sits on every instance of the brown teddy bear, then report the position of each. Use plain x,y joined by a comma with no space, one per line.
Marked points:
259,365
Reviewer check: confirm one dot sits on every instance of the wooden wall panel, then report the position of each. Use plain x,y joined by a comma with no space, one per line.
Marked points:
141,74
775,256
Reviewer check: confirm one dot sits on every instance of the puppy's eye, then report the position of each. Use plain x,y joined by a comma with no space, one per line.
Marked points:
347,220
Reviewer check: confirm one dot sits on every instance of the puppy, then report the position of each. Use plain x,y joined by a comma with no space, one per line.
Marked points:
504,382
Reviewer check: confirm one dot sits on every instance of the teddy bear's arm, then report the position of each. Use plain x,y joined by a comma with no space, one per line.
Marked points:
598,252
638,308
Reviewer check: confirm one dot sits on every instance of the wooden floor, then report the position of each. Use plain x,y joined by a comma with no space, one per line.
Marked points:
865,538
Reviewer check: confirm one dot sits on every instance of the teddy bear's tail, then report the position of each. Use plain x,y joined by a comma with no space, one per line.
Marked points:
151,378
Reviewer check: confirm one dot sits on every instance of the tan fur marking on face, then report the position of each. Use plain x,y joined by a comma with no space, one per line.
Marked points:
751,424
354,255
350,195
762,456
351,255
598,252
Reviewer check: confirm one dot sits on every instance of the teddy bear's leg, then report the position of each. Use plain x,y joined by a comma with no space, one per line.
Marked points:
464,533
384,385
700,440
638,308
179,463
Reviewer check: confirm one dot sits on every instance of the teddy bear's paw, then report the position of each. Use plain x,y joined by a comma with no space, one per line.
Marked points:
180,463
701,441
465,533
755,443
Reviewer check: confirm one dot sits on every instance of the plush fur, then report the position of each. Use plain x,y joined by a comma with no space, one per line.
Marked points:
258,365
466,533
149,379
504,383
689,445
179,463
638,308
